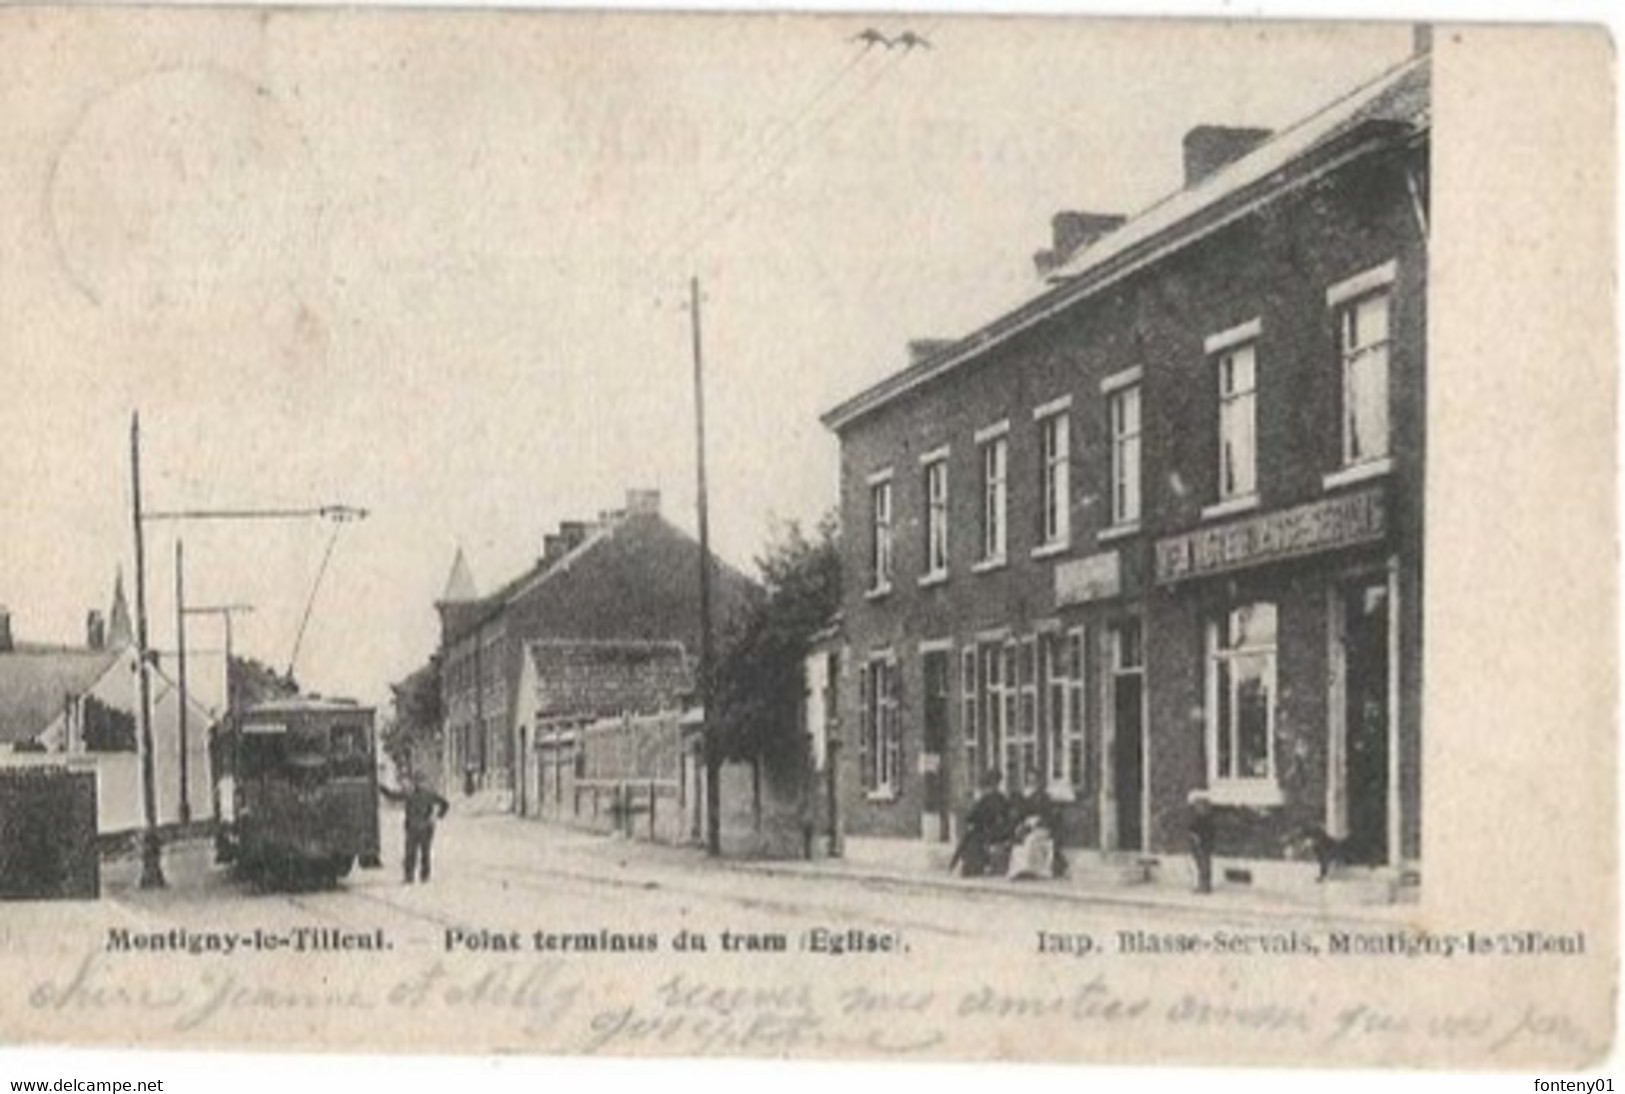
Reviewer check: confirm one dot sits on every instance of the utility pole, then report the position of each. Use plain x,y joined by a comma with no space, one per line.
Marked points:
185,810
152,865
713,756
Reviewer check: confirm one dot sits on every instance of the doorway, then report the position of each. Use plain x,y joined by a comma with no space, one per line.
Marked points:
934,821
1363,617
1126,698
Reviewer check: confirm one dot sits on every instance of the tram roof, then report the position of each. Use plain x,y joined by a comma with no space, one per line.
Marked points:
307,704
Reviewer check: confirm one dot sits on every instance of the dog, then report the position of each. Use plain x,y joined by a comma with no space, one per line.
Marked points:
1314,840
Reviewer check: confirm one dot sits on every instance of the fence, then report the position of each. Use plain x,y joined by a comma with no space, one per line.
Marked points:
624,775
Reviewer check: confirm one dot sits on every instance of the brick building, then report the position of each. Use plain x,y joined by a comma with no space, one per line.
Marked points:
629,576
1159,529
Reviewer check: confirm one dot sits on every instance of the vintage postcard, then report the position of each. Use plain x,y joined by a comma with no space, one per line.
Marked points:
895,536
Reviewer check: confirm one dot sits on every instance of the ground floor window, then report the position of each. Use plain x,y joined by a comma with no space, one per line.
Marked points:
1241,697
879,729
998,704
1061,657
967,717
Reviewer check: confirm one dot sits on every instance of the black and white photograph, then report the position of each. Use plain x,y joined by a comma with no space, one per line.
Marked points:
846,536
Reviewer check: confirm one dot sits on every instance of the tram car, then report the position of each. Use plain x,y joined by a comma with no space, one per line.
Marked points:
296,786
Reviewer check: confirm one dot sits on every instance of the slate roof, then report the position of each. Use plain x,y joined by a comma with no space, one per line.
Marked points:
1393,104
34,681
600,679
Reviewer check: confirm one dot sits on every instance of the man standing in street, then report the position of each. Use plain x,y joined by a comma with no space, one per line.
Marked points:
423,808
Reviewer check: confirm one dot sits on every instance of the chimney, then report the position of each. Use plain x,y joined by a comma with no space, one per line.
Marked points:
1071,232
921,348
95,630
1210,147
1421,39
5,630
643,501
553,548
573,533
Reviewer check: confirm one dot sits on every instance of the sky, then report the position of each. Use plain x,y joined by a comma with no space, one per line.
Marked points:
437,265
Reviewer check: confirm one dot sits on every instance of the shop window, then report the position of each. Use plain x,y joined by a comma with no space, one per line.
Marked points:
1241,700
879,727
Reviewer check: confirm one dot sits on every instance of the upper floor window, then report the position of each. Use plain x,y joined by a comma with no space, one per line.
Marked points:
1123,412
880,533
1362,306
1237,367
936,516
1054,444
995,452
1241,697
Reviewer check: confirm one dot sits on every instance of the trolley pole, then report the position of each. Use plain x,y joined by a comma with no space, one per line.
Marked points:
713,753
152,865
185,809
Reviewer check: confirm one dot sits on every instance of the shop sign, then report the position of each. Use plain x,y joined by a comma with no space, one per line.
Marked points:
1082,580
1326,525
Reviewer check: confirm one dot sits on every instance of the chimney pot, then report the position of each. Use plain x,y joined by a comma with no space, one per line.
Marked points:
6,645
95,630
1209,147
1071,232
921,348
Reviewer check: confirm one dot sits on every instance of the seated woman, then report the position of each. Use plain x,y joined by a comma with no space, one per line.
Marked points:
985,846
1033,854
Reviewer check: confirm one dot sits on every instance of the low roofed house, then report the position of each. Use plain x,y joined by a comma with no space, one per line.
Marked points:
61,700
567,686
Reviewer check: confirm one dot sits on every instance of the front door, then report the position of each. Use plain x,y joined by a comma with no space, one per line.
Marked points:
934,744
1364,611
1127,686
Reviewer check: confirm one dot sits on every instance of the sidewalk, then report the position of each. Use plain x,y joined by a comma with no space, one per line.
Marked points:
1093,880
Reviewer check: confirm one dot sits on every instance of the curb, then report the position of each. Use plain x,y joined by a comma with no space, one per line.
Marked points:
1123,898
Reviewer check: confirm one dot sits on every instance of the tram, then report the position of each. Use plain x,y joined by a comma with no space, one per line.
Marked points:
296,786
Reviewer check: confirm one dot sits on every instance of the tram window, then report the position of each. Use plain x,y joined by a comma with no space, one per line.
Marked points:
260,753
349,753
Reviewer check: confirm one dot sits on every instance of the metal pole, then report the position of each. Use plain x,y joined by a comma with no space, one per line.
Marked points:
152,865
185,809
713,754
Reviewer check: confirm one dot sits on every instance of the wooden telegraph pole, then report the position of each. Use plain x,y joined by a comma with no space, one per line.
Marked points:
713,754
152,865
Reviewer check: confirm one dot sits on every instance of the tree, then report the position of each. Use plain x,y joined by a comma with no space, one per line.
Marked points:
414,730
253,681
757,684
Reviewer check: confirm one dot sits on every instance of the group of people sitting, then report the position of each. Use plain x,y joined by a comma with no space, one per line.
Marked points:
1010,835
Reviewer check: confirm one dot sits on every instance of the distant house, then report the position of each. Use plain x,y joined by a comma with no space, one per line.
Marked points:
82,700
631,576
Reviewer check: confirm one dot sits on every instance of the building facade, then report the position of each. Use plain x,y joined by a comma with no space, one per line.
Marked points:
630,576
1159,530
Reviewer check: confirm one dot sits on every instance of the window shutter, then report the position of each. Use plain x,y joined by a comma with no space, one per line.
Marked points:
894,714
865,729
